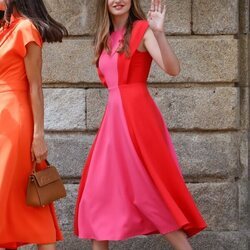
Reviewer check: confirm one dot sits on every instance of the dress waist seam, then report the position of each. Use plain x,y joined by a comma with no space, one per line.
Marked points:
127,85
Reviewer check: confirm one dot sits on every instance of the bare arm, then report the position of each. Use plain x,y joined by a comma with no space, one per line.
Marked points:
156,43
33,65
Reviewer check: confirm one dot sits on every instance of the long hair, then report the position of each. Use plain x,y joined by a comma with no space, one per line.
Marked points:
104,27
35,10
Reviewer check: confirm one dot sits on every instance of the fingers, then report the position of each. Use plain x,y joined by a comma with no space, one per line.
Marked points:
39,151
32,155
152,7
159,6
156,6
164,10
41,156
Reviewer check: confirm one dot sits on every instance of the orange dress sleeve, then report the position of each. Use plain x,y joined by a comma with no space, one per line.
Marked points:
26,33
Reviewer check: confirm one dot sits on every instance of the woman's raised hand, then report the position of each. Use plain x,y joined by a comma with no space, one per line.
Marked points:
156,16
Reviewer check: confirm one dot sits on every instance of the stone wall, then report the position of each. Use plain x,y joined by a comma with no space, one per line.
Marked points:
205,107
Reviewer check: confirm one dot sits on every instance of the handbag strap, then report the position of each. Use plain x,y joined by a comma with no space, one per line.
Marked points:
34,165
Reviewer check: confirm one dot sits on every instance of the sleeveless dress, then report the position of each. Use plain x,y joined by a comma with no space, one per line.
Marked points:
19,223
131,183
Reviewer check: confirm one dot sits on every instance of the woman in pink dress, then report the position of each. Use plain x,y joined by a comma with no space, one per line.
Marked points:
132,183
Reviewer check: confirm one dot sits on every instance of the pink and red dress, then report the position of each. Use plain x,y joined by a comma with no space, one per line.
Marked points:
131,183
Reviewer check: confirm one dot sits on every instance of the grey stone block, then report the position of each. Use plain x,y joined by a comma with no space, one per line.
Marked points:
215,17
202,60
244,8
213,200
207,156
69,62
178,17
192,108
199,108
65,208
96,100
68,152
213,59
201,156
244,152
244,203
218,203
64,109
244,59
80,15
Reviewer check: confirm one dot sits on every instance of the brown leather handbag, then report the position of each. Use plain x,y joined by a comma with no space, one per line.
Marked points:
44,186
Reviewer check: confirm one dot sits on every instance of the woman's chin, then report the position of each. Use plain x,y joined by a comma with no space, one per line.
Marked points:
119,13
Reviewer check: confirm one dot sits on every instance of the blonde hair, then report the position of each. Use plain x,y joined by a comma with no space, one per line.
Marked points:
104,27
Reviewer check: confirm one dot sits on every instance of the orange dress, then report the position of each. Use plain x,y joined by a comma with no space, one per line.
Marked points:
19,223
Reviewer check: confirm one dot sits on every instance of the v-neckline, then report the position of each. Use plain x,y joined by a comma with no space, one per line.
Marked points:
115,39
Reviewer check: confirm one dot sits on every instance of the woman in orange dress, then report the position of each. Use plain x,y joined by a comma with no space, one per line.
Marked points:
24,26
